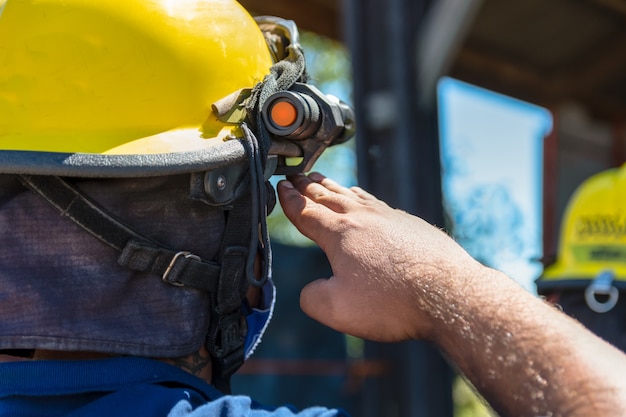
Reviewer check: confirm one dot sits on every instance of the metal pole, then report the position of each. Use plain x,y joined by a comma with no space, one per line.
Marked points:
398,160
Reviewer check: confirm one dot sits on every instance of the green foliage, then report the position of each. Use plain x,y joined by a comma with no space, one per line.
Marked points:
468,403
328,64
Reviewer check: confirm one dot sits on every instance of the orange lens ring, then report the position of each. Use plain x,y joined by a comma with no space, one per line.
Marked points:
284,113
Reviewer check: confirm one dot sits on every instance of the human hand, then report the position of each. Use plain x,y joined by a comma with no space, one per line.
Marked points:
391,270
395,277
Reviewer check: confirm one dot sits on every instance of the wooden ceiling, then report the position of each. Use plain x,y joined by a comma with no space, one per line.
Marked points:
324,17
549,52
543,51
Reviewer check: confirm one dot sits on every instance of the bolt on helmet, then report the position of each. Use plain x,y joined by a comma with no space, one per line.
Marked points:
592,245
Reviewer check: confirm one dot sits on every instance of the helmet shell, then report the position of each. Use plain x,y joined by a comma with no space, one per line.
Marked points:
132,78
593,233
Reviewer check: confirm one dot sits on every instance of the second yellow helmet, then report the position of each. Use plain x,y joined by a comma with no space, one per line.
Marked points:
593,234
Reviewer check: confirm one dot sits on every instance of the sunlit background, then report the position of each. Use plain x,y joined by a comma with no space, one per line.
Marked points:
491,155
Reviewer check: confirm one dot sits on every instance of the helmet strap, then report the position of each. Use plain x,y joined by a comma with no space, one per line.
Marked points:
137,252
240,245
227,326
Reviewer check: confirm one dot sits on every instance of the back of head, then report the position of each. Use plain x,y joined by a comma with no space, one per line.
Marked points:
96,90
63,289
134,161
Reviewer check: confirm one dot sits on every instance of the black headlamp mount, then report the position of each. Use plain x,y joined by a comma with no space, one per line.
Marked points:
314,121
318,121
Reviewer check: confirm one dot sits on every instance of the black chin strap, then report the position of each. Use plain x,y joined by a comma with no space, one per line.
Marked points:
227,328
247,224
226,337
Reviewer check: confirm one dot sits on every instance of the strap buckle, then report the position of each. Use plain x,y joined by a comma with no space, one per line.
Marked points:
184,254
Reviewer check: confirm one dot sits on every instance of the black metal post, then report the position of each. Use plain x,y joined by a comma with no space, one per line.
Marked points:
398,160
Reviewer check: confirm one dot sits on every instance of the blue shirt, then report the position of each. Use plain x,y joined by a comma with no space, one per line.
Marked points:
123,386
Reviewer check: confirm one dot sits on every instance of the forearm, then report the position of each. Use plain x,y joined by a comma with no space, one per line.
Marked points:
395,277
524,356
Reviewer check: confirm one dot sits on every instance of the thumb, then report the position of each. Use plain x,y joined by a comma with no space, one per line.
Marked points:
317,301
324,301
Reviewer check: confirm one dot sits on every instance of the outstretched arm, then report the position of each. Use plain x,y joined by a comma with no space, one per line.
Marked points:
395,277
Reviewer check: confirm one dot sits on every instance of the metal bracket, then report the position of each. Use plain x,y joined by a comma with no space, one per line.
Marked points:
602,285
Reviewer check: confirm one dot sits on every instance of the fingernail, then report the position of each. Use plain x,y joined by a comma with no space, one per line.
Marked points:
285,184
316,176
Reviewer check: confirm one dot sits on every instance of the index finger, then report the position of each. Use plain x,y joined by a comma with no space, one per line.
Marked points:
325,192
310,218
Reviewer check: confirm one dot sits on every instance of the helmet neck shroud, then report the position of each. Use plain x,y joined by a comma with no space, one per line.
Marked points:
224,279
64,290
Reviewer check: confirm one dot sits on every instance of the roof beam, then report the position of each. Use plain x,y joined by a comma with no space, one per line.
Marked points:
442,34
323,17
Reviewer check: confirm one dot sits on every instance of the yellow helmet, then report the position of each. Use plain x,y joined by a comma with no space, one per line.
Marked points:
592,242
138,88
85,85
